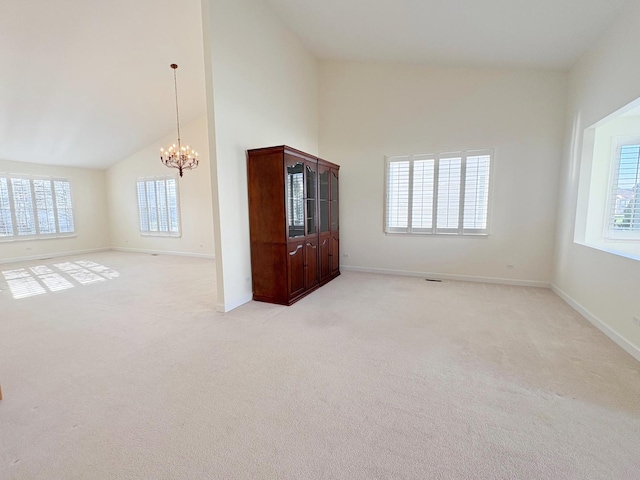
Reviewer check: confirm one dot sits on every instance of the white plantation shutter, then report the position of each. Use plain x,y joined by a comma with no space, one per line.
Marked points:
423,189
35,207
23,206
143,210
6,223
152,204
476,193
438,193
449,175
624,212
172,198
64,206
158,206
397,194
163,214
44,206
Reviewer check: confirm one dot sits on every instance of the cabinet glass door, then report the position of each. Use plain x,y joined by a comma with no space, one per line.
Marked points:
324,199
295,199
310,190
334,200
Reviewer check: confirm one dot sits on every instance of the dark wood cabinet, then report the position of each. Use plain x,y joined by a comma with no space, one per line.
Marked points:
293,220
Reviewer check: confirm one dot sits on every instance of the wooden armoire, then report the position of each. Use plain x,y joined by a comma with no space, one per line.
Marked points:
293,220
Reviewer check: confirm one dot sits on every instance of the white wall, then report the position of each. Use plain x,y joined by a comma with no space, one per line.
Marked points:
88,192
194,190
605,286
370,110
262,91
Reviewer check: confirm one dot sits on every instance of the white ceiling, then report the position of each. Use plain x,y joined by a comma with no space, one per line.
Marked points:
522,33
87,82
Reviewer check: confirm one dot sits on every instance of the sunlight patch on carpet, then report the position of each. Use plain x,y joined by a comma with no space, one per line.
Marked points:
42,279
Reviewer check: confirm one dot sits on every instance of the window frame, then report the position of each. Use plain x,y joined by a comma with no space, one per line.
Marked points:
37,235
434,230
151,233
610,233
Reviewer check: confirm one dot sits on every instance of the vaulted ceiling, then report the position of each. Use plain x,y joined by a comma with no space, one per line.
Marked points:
87,83
507,33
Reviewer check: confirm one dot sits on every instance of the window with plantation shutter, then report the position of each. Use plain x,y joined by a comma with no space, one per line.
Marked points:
444,193
158,206
35,207
624,211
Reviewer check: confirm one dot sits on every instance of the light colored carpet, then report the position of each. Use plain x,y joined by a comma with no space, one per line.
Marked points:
380,377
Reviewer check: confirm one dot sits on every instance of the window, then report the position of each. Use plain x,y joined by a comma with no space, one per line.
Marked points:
158,206
624,210
445,193
35,207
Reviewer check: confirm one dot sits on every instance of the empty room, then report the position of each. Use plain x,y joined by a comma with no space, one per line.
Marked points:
290,239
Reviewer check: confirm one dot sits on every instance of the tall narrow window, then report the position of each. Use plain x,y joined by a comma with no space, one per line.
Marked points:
35,207
438,193
624,213
158,206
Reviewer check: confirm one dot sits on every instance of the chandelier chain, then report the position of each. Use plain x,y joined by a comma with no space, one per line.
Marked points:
175,88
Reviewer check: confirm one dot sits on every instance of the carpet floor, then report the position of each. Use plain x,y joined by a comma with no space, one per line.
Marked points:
116,366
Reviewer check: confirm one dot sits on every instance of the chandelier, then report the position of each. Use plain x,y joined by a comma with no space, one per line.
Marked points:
177,156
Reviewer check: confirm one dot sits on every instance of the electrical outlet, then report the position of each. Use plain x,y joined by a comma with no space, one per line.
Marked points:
636,320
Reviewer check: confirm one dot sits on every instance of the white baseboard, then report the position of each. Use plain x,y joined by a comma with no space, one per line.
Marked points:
447,276
164,252
625,344
43,256
227,307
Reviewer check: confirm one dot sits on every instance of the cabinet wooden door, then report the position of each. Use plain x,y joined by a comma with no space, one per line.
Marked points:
295,267
311,273
324,257
335,253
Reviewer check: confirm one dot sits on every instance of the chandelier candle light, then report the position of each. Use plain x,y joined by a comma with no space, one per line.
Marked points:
177,156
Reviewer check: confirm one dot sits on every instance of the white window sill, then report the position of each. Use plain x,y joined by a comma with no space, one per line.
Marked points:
614,248
448,235
161,235
32,238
